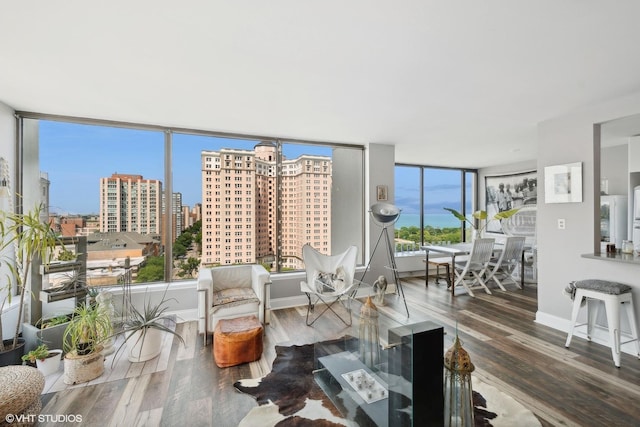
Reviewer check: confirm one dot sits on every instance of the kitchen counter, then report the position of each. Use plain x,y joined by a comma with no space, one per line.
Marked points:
618,256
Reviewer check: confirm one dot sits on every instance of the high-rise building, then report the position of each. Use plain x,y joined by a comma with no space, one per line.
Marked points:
240,199
228,207
130,203
306,207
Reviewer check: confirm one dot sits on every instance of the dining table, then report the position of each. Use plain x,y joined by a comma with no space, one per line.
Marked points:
454,250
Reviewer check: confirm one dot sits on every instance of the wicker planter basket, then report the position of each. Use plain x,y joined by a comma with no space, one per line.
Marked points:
80,369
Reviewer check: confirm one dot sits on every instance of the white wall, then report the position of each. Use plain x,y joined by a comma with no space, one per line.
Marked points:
563,140
7,145
380,170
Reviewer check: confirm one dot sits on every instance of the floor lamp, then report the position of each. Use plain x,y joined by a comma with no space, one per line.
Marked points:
385,215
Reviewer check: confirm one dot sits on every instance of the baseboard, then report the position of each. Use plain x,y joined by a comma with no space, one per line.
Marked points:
600,333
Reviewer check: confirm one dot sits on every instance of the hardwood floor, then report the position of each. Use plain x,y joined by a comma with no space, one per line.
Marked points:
579,386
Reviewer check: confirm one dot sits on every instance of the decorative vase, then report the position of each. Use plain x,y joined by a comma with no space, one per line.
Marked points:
368,334
51,364
144,344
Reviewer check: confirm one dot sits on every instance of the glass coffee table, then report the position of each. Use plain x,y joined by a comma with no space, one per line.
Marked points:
376,383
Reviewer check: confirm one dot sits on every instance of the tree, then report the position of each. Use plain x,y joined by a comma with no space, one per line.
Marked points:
179,250
189,267
153,271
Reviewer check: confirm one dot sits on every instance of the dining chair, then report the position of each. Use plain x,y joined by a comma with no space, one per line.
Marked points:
503,266
470,273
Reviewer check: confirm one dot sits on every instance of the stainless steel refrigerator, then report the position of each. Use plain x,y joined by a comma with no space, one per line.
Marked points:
613,220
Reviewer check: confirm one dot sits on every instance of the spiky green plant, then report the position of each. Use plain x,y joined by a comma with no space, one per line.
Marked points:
151,316
88,327
32,239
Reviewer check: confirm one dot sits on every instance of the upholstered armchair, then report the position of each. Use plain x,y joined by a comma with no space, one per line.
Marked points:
231,291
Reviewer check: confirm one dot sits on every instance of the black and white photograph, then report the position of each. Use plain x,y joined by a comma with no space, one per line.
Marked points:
505,192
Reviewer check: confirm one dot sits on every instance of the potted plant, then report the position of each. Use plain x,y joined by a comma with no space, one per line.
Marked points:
46,331
144,328
47,361
481,216
31,239
84,360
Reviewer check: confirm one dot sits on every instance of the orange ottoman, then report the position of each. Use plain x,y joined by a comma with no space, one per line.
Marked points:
237,341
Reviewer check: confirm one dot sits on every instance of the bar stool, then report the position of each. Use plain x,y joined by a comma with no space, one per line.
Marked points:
613,295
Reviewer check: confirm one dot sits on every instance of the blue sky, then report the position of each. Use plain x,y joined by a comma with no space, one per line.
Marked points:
76,157
441,187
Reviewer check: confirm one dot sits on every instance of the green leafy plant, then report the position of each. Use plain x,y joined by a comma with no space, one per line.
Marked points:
482,216
66,255
32,239
41,352
58,320
88,327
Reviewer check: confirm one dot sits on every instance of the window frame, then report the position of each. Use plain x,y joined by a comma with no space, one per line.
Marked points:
169,145
463,193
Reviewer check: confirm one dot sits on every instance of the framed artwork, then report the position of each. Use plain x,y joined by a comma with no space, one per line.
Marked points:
381,193
563,183
504,192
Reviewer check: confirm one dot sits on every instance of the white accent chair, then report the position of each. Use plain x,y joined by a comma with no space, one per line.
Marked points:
330,278
470,273
506,264
229,292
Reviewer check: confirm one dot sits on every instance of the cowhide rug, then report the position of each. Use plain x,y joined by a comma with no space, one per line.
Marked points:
289,396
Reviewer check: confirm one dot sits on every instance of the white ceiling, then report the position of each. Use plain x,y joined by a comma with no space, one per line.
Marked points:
454,83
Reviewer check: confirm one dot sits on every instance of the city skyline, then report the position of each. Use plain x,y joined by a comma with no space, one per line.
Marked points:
76,156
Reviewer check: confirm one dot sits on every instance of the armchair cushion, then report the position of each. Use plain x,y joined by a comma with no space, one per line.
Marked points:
233,296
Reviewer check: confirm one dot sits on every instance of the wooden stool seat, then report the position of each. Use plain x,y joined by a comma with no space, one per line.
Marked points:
237,341
447,271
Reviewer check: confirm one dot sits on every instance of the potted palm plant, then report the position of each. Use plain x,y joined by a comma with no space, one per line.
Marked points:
144,329
83,336
31,239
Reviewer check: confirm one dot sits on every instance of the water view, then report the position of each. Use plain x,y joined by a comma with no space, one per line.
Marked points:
444,220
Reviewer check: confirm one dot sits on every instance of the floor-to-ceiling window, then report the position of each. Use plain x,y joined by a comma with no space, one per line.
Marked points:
170,200
422,193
